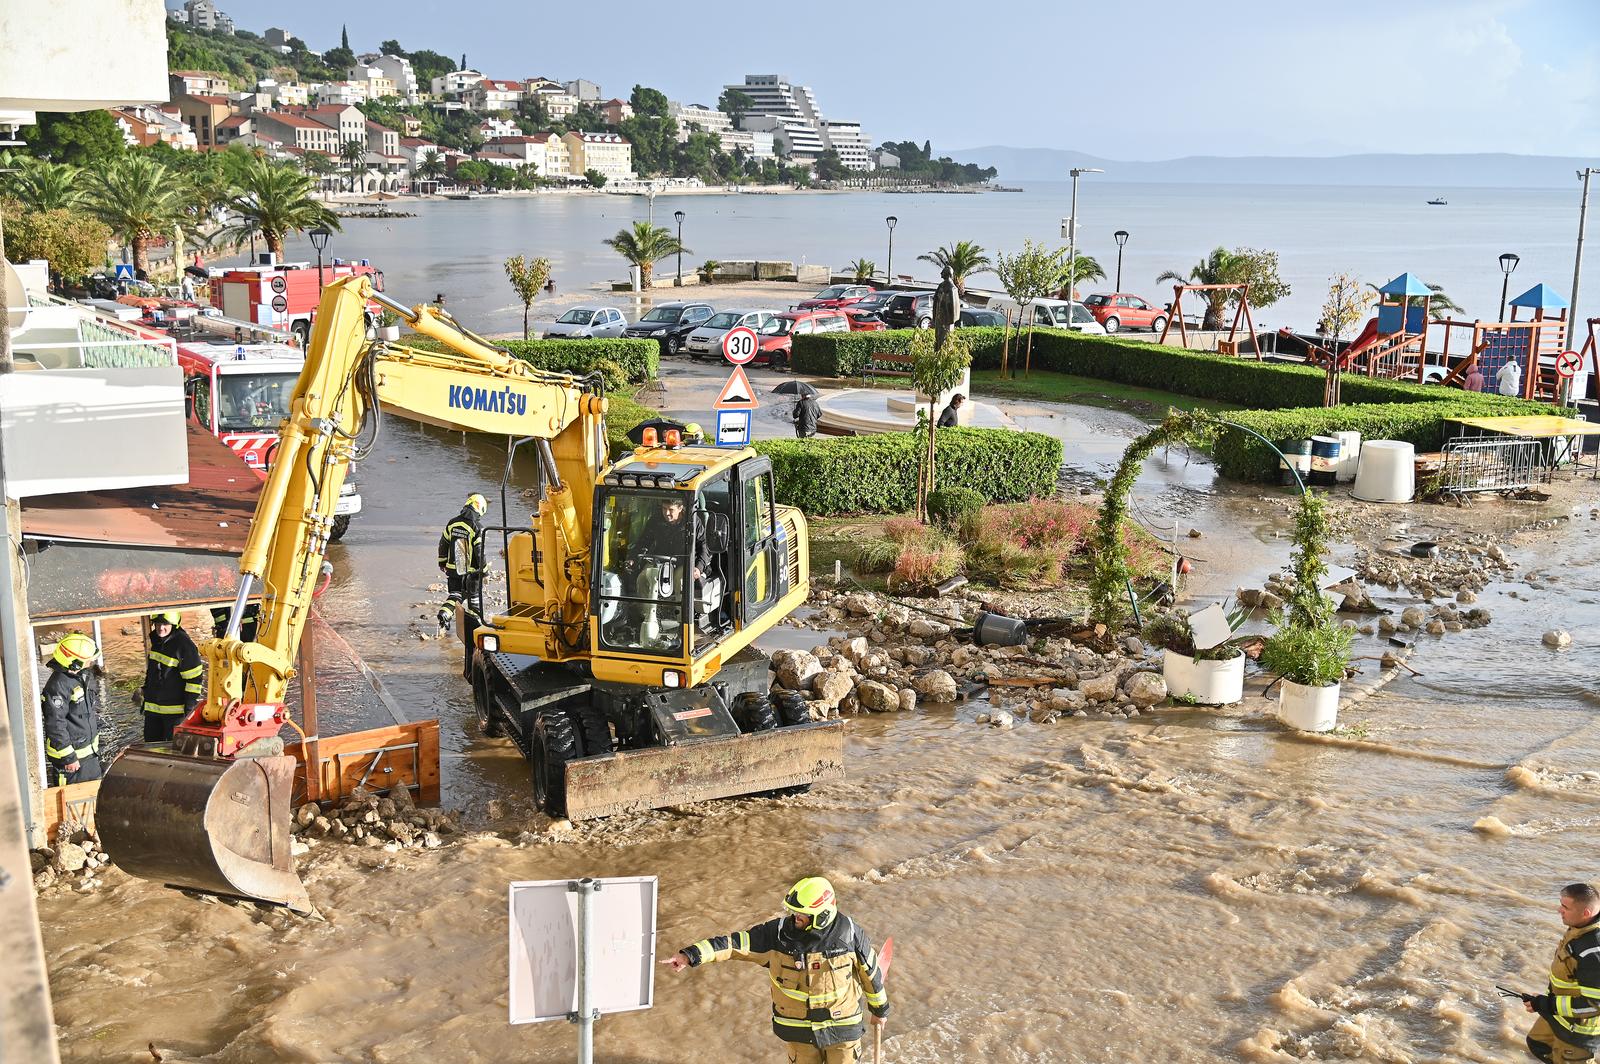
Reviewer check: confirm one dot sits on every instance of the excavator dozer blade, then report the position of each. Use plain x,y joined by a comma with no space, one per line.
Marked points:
216,826
633,780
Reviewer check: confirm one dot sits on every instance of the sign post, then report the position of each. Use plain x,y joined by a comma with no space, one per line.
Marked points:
581,948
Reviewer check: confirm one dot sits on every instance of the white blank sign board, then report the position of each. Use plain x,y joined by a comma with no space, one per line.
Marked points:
544,947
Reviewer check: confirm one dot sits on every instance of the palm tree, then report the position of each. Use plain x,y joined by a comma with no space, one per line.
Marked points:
962,259
644,245
44,187
1215,268
1081,268
138,198
273,200
862,270
353,154
431,167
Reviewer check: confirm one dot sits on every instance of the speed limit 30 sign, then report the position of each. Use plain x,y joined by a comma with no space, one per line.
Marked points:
739,345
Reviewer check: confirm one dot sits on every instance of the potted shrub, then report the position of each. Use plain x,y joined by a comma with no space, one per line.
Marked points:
389,326
1213,676
1310,649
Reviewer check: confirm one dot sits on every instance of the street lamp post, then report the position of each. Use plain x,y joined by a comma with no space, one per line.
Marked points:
1121,237
1577,258
678,217
1072,230
1508,264
319,240
888,271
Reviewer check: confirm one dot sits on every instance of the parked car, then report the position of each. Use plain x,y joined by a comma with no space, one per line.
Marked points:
1053,313
586,323
866,313
669,323
705,340
908,310
777,336
1123,310
835,296
980,319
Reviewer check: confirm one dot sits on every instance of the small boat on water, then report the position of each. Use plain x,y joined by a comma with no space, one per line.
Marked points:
1438,201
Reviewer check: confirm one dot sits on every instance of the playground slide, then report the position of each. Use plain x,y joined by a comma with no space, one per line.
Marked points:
1368,337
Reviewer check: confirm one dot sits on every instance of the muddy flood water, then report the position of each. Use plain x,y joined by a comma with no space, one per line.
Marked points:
1195,885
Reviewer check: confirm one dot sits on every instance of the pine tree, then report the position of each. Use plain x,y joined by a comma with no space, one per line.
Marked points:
344,37
463,65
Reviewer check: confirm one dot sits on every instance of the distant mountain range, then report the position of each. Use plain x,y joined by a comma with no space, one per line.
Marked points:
1488,170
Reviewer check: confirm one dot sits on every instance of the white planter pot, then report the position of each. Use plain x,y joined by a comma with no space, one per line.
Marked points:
389,332
1314,709
1210,683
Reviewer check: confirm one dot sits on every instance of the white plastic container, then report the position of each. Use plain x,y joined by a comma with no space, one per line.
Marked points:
1349,455
1210,683
1313,709
1387,472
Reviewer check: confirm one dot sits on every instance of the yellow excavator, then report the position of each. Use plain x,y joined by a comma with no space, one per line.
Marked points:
623,667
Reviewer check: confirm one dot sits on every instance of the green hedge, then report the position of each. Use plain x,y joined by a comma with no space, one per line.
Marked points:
877,474
1243,457
639,359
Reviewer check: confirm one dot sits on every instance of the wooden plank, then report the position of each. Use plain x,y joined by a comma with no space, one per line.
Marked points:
428,759
395,755
73,805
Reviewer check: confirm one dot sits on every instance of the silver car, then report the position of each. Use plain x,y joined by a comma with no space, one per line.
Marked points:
586,323
706,341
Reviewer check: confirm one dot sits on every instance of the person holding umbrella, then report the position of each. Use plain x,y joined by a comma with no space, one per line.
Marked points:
807,412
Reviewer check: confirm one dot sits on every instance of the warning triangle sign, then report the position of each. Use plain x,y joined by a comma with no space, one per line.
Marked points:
737,393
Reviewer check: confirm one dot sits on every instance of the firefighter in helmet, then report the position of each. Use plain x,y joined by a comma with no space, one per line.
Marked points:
71,718
823,969
171,677
461,557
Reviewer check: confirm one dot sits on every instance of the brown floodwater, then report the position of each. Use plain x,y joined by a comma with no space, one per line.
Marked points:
1193,886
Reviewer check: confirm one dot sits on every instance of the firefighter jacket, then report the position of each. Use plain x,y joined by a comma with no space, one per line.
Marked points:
462,541
1575,987
172,674
71,721
819,978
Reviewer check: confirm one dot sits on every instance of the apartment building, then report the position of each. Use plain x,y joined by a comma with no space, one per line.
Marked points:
297,131
374,81
545,152
790,113
197,83
143,125
488,94
846,138
694,117
616,111
609,153
203,15
754,144
452,85
284,93
584,91
397,70
202,113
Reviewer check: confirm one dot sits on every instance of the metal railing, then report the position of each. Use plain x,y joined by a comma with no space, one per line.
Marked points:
1501,465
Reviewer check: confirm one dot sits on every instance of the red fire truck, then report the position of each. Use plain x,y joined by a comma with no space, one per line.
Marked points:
281,295
239,392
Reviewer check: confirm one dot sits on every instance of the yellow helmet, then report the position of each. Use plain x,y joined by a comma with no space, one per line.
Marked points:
477,502
172,617
813,897
693,429
75,651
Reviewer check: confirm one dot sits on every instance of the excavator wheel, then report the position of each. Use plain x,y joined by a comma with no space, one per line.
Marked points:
341,525
754,712
596,730
555,742
792,709
483,708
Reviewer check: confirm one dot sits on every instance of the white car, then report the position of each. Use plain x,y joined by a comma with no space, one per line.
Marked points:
1053,313
706,341
586,323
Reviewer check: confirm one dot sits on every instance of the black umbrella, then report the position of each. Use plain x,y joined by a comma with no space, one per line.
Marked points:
798,389
660,424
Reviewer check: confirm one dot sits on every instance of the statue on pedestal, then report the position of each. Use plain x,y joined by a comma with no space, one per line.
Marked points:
946,307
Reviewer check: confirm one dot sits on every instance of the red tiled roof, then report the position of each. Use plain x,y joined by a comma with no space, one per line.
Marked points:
514,140
417,142
293,121
215,101
232,122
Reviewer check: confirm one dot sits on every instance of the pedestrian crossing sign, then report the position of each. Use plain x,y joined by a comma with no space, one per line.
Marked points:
124,271
733,428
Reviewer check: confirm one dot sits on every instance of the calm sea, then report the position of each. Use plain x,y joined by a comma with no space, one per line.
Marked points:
457,247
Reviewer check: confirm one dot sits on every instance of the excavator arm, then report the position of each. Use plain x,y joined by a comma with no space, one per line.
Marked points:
210,810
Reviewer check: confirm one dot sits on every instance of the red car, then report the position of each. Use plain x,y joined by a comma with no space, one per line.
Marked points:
836,296
1124,310
777,336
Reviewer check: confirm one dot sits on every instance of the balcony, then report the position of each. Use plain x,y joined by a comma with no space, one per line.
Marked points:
95,404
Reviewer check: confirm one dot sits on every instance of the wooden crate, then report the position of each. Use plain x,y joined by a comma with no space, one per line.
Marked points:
72,805
379,758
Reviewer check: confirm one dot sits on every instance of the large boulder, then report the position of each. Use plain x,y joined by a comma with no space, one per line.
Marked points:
923,628
908,699
860,605
876,697
70,857
935,685
831,687
1145,688
795,668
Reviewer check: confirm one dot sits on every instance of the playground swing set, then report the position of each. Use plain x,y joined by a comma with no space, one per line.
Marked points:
1241,312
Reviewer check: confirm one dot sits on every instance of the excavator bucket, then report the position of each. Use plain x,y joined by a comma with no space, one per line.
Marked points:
200,823
634,780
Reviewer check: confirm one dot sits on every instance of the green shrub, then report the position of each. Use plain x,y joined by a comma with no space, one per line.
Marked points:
640,360
878,474
924,562
951,506
1312,657
874,555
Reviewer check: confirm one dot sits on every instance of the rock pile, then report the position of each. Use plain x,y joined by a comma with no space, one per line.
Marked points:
390,822
1462,568
75,862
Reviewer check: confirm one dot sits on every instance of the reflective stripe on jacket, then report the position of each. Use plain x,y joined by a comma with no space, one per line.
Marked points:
71,721
820,980
172,674
466,527
1575,987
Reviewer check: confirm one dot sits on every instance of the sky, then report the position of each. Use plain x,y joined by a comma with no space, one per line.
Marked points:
1136,80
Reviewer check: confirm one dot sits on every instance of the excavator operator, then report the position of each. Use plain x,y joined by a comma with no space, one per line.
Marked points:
461,557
